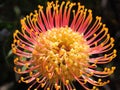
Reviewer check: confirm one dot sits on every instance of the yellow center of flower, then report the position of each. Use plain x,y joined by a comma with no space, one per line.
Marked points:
61,52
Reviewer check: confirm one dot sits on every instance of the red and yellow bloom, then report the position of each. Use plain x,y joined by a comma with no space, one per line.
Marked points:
62,45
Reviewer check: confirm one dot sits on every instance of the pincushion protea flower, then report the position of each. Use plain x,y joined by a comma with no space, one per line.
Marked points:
62,45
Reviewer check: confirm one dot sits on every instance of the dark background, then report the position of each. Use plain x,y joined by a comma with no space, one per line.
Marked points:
11,11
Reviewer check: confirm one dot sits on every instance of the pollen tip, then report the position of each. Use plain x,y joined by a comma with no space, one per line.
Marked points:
16,60
35,11
78,3
14,50
16,31
100,24
99,80
94,88
114,51
49,75
82,7
74,89
31,73
22,79
86,10
67,81
22,20
113,68
40,7
90,11
31,14
112,39
48,88
108,81
85,81
26,81
42,85
19,70
37,79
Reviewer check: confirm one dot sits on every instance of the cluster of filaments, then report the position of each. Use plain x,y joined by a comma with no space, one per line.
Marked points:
53,51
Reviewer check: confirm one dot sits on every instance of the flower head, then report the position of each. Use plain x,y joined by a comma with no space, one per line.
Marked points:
62,45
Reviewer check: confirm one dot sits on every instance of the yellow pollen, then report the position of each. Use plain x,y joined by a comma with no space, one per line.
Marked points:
42,85
67,81
61,48
48,88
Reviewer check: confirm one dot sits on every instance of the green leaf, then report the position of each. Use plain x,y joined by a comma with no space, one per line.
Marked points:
24,68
